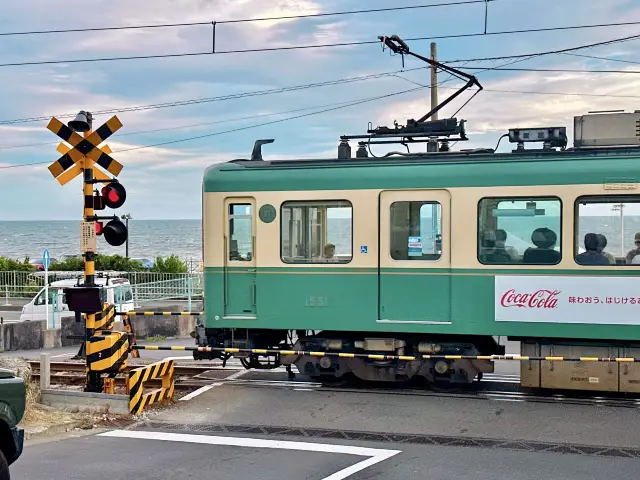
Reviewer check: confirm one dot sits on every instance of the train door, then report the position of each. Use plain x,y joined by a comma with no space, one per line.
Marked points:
240,258
415,257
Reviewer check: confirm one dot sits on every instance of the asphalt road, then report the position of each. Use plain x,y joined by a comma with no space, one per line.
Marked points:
280,430
146,453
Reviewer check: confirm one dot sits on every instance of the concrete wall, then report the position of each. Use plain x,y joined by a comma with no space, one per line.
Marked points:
22,336
34,335
173,326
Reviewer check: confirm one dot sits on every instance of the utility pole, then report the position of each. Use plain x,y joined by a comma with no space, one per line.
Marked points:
434,81
432,144
126,217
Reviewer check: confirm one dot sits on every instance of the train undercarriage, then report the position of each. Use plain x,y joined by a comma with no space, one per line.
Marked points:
609,376
334,367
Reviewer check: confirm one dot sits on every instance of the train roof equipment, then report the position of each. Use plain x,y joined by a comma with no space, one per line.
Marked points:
596,133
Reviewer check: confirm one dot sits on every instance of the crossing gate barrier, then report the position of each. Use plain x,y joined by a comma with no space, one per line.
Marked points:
373,356
138,400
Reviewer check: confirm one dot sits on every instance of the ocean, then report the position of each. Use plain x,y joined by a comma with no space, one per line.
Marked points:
152,238
147,239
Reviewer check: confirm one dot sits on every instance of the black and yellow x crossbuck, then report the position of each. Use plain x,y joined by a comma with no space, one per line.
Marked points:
70,164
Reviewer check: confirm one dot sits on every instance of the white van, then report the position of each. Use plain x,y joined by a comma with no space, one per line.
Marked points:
116,291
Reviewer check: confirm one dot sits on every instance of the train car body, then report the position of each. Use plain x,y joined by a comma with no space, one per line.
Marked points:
406,255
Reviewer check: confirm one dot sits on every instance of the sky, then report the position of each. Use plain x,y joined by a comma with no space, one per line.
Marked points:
164,182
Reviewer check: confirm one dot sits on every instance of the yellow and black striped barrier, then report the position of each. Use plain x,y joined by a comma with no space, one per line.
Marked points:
370,356
159,314
138,400
107,351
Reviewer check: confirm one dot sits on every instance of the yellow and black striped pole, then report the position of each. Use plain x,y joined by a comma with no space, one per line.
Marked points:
94,379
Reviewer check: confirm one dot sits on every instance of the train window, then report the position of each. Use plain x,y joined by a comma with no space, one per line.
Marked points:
416,231
240,234
607,230
520,230
316,232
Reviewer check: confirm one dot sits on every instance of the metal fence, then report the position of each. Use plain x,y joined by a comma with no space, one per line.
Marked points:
146,286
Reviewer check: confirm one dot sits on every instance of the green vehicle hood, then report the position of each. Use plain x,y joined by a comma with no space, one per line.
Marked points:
12,397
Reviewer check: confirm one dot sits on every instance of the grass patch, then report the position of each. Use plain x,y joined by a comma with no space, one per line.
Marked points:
156,338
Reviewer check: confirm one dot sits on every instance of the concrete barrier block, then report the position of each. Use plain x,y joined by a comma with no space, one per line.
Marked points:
186,324
23,335
71,400
51,338
71,327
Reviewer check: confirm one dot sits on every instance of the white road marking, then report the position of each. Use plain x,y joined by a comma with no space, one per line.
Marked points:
376,455
201,390
197,392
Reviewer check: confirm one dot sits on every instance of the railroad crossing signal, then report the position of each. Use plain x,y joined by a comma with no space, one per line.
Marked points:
70,164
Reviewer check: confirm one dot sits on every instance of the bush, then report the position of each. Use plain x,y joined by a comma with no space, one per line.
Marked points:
10,265
68,265
102,262
171,264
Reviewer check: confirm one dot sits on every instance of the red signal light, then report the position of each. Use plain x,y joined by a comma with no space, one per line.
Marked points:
99,228
114,195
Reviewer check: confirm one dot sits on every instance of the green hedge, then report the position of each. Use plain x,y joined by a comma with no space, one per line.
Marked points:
170,264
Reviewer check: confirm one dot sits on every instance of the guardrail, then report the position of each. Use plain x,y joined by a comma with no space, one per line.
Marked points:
147,286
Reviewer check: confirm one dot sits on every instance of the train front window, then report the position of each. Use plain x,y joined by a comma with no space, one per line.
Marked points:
316,232
240,246
519,230
607,230
416,231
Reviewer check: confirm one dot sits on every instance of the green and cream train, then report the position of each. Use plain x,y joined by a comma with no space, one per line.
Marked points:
433,253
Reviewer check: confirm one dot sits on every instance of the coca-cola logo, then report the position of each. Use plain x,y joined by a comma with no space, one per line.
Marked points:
537,299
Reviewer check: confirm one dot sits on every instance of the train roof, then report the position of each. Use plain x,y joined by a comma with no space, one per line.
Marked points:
455,169
606,149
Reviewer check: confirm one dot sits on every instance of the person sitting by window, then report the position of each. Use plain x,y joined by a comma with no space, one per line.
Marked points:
329,251
602,243
591,256
489,252
501,240
635,251
544,239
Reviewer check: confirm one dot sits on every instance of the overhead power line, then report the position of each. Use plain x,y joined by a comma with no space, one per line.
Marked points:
313,46
182,140
335,82
233,96
192,125
552,52
244,20
609,59
561,70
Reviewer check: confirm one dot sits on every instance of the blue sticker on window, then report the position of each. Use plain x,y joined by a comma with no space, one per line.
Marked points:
363,249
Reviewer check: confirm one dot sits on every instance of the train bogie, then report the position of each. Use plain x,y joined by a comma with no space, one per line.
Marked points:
380,369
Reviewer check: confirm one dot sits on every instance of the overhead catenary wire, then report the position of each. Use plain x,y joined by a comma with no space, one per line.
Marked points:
246,20
192,125
561,70
339,81
220,98
567,50
247,127
312,46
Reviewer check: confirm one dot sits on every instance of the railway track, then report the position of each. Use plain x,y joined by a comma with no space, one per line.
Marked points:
493,387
